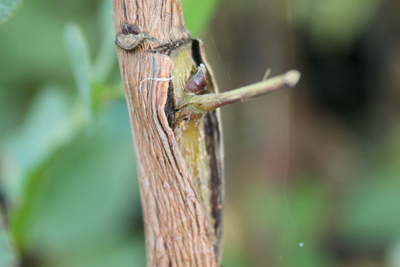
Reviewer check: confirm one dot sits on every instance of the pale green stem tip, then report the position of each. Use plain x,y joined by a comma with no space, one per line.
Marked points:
209,102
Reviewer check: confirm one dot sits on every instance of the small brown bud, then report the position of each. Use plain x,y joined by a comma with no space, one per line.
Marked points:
197,82
130,29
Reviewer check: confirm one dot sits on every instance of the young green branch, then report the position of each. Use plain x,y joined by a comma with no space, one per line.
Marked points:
209,102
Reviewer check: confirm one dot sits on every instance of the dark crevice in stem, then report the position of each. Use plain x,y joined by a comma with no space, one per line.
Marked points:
196,54
169,107
212,131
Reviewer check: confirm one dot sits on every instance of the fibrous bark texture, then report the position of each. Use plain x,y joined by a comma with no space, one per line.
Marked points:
161,18
176,227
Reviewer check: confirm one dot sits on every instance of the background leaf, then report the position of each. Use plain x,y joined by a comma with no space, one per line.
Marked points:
83,207
198,14
51,124
78,53
107,55
7,8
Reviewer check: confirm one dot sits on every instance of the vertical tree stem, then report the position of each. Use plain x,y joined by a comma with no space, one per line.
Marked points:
175,224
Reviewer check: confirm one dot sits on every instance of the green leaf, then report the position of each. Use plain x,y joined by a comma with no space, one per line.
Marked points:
8,8
371,214
334,26
198,14
107,56
78,53
289,217
82,208
50,125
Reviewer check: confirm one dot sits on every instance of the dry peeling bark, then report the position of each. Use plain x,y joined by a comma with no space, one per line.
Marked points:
178,231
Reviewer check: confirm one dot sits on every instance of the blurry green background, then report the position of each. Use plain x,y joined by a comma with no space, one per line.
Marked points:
312,173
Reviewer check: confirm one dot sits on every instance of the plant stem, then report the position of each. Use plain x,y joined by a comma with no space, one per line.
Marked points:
209,102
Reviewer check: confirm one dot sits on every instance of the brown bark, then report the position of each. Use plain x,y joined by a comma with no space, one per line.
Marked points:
176,226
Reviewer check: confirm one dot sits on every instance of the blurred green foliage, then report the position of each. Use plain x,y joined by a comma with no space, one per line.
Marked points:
77,50
68,168
334,25
7,8
197,14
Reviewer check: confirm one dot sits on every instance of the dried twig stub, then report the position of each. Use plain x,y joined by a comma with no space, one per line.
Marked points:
131,36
